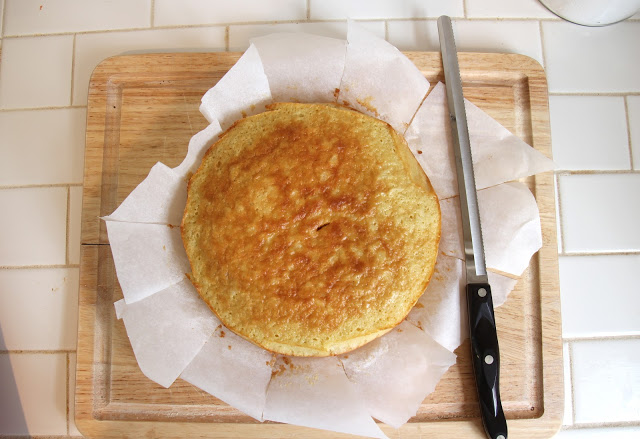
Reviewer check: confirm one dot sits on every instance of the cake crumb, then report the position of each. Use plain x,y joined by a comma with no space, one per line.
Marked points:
366,103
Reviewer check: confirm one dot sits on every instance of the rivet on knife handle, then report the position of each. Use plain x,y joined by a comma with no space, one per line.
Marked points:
485,356
484,339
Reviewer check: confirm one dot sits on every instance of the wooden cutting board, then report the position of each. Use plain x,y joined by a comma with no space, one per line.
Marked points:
144,109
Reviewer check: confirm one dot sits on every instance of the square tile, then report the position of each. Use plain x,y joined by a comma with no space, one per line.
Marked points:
600,212
91,49
507,9
33,224
364,9
73,430
239,35
190,12
589,132
633,106
598,295
39,308
42,146
36,72
568,400
75,213
592,59
28,17
606,380
33,400
600,433
471,36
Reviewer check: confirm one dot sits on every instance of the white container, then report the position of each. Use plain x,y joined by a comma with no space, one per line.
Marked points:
593,12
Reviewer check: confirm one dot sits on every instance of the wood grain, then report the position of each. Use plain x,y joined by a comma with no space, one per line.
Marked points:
143,109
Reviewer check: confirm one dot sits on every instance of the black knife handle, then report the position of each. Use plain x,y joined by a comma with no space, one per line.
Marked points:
485,356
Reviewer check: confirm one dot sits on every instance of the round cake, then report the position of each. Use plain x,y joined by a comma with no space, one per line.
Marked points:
311,229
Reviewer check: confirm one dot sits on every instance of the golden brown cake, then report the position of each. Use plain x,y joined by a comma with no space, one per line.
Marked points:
311,229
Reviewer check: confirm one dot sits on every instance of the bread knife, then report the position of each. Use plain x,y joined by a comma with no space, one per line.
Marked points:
484,339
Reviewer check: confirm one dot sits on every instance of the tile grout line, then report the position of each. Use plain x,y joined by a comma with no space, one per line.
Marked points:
37,267
542,49
37,351
386,32
596,93
308,10
4,18
67,393
464,9
226,38
73,67
628,120
571,378
152,18
602,338
602,253
133,29
245,23
603,425
64,107
37,186
66,242
559,215
565,172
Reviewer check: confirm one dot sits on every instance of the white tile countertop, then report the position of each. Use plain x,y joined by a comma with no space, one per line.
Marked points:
48,50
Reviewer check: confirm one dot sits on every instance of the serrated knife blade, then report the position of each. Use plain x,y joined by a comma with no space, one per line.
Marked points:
484,339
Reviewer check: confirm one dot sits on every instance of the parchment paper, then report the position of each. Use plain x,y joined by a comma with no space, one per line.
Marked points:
167,330
307,68
498,156
444,304
387,378
379,80
157,200
243,91
148,257
510,224
198,145
232,369
315,392
390,396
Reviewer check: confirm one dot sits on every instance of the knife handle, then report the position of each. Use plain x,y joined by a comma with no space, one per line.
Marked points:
486,358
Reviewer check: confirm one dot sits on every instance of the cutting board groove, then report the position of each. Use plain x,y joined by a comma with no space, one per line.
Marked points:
143,109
